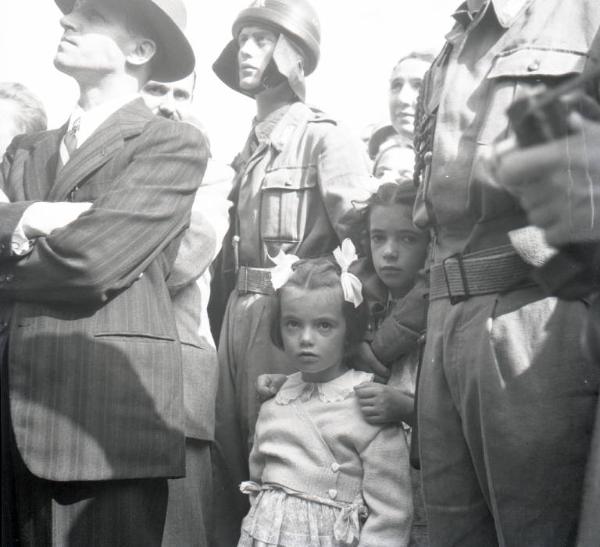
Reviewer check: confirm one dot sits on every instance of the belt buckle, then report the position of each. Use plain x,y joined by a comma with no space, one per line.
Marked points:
456,299
242,284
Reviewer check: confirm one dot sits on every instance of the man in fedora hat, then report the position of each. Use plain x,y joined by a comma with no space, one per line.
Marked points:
92,389
297,177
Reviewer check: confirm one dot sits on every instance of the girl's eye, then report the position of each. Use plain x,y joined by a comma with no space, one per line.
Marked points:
291,324
409,239
376,238
325,326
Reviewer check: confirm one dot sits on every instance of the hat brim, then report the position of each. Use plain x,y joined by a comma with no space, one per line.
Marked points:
175,57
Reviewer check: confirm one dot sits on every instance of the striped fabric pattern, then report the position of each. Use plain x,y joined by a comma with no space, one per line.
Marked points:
95,373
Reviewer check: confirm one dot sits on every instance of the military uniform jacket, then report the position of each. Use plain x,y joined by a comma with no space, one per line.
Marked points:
529,47
309,172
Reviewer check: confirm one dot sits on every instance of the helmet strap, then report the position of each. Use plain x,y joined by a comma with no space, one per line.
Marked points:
272,77
270,80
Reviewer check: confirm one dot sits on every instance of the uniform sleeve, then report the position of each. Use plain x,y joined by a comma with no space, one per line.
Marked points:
108,247
400,331
387,490
209,223
344,175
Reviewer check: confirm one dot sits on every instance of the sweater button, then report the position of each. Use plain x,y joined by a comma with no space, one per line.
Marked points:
335,467
332,493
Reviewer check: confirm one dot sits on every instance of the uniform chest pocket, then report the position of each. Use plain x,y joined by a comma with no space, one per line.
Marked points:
286,194
519,73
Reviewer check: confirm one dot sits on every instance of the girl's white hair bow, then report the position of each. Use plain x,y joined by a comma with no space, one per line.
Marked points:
345,255
282,270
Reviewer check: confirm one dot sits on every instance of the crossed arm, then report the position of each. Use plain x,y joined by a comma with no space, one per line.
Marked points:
105,248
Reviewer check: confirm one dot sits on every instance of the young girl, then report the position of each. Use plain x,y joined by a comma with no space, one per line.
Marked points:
321,475
396,252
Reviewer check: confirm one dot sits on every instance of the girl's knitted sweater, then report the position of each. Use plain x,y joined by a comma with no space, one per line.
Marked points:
312,438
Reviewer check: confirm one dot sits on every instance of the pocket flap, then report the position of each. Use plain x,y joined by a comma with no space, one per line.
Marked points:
532,62
134,336
294,178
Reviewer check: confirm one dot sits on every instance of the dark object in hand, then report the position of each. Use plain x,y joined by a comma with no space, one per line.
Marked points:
544,116
574,271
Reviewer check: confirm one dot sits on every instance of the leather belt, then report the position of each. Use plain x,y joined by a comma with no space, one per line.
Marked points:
460,277
254,280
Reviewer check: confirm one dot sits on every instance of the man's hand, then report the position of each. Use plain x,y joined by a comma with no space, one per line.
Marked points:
557,183
364,359
42,217
267,385
381,404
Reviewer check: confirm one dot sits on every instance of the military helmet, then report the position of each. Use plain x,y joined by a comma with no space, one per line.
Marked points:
296,19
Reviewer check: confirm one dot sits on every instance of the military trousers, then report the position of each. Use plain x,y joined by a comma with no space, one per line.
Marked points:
245,352
506,410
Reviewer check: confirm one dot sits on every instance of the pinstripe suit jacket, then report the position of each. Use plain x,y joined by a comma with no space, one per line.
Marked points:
95,370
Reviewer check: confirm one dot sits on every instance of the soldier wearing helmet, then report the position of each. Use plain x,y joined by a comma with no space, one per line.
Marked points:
297,177
296,35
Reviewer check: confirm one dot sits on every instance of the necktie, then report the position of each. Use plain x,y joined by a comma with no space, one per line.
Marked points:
70,138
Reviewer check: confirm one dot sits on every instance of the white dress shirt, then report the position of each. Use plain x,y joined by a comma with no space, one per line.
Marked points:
89,121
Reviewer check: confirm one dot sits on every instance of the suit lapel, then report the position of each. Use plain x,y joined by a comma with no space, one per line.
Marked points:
125,123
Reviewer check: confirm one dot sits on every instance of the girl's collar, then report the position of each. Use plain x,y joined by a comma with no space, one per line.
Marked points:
329,392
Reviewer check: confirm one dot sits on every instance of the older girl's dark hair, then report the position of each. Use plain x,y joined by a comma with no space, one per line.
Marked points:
393,193
321,273
390,193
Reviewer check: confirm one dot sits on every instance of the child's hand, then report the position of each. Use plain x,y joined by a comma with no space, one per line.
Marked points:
267,385
364,359
381,404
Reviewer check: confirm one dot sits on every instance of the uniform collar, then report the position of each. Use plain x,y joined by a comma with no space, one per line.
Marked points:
506,11
264,129
328,392
296,114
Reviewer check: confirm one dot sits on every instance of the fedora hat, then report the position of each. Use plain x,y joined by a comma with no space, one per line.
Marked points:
174,56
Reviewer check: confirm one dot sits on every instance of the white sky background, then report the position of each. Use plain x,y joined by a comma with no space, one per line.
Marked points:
361,40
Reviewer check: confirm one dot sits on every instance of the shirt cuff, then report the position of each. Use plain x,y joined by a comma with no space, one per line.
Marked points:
20,244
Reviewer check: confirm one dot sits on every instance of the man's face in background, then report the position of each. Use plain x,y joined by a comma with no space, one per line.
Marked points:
170,100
